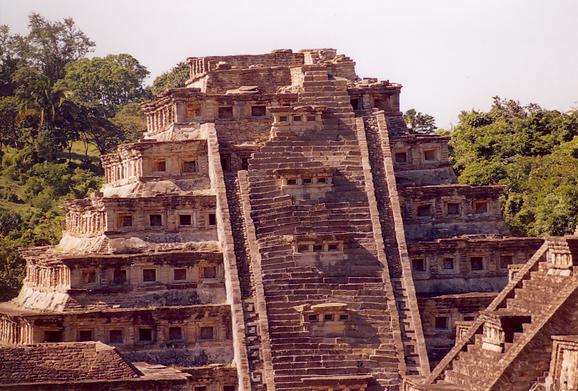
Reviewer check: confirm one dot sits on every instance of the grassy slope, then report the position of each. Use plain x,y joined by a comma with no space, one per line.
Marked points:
78,155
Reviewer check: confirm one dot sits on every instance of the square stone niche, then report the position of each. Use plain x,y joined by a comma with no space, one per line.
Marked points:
305,184
318,252
327,319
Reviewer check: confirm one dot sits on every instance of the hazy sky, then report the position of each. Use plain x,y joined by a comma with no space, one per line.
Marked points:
450,55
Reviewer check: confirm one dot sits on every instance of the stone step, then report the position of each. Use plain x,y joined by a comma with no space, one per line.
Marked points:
526,305
458,378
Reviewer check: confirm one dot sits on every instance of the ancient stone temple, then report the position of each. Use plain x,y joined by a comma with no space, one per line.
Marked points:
279,228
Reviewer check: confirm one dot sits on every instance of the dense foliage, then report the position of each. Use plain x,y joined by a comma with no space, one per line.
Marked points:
531,150
418,122
174,78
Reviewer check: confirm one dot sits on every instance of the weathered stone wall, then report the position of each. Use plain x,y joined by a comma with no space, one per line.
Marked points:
422,160
469,264
237,133
563,373
393,233
213,377
432,212
86,219
271,185
67,362
282,57
267,79
412,152
91,366
151,218
244,103
341,215
369,94
563,322
174,156
193,345
509,346
251,274
93,282
108,385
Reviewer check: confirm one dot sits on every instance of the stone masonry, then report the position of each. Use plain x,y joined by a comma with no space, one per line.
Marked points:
278,228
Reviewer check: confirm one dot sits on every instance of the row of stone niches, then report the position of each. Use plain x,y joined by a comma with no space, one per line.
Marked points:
158,167
187,166
304,180
427,156
227,112
316,247
194,112
447,324
290,119
451,209
149,275
144,335
157,220
449,264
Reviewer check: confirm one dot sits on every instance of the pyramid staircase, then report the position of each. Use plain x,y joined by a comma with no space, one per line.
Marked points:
294,351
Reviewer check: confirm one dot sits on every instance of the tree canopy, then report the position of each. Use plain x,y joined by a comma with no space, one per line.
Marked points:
418,122
174,78
49,46
531,150
104,83
61,96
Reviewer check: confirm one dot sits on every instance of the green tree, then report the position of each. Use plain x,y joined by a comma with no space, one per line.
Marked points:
8,61
11,269
49,46
8,120
531,150
175,78
419,122
52,126
50,97
9,221
31,65
131,120
100,87
104,83
34,92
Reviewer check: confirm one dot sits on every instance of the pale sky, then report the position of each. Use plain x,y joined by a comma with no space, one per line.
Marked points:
450,55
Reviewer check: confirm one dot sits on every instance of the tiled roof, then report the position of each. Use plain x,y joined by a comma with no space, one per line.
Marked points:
63,362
